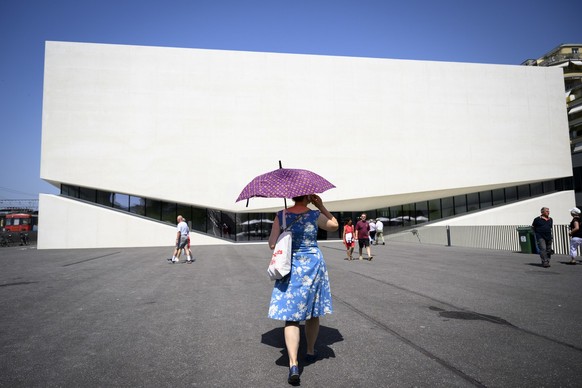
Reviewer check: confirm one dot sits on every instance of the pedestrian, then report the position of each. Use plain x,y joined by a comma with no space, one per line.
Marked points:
372,231
304,294
182,236
186,249
380,232
349,238
542,227
363,236
575,233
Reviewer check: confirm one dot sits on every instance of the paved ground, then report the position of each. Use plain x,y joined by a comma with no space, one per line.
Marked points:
415,316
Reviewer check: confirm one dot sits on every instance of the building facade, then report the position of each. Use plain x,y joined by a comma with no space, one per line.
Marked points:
568,57
134,135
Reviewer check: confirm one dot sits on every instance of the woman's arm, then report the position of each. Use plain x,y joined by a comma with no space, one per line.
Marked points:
326,220
275,231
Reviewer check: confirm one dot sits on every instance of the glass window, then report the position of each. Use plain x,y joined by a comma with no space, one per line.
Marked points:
228,225
104,198
137,205
255,226
523,191
472,202
213,226
121,201
169,212
536,189
549,186
498,196
460,204
510,194
395,216
485,199
421,211
87,194
447,207
434,209
186,212
199,219
408,214
71,191
153,209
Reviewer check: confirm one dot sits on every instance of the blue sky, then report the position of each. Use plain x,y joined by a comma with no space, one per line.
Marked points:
498,32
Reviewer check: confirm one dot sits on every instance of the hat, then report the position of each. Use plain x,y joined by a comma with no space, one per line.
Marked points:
575,211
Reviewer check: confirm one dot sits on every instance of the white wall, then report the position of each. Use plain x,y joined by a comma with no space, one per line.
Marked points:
520,213
67,223
194,126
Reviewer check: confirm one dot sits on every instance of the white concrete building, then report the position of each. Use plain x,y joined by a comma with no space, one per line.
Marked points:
193,127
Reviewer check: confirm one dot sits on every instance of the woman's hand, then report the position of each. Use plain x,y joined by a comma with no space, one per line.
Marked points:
316,201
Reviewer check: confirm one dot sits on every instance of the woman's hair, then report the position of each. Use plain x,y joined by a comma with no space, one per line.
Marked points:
299,199
348,220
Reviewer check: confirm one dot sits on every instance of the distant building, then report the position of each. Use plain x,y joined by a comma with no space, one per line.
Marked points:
134,135
569,58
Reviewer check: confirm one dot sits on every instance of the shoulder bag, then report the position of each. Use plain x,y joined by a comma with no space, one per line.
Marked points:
280,264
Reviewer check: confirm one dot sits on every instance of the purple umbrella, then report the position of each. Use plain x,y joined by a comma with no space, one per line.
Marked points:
285,183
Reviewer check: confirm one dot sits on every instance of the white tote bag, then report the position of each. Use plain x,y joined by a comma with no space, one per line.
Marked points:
280,264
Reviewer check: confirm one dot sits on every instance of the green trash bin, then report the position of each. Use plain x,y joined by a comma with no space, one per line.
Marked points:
526,239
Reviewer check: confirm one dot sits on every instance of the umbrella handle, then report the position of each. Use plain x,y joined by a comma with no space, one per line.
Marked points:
284,199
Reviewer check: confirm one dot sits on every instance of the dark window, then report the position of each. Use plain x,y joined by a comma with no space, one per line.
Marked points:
71,191
199,219
228,223
434,209
510,194
536,189
421,211
169,213
485,199
213,224
105,198
447,207
498,197
523,191
549,186
87,194
186,212
154,209
472,202
460,204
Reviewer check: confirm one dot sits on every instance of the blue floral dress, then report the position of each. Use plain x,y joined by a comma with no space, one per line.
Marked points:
305,292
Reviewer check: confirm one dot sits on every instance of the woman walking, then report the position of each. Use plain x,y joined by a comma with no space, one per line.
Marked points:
575,233
304,294
349,239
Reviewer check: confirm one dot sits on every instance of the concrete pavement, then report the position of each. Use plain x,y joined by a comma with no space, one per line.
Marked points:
415,316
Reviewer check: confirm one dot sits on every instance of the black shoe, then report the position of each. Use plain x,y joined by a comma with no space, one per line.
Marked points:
311,358
293,375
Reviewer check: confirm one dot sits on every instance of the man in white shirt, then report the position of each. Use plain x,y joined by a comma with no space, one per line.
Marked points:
380,232
372,232
182,235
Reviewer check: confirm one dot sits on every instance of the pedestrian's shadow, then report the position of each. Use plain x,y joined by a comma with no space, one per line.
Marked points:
327,336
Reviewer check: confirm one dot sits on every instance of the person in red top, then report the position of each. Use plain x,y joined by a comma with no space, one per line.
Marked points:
349,238
363,236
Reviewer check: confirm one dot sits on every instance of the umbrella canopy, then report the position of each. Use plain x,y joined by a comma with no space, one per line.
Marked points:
285,183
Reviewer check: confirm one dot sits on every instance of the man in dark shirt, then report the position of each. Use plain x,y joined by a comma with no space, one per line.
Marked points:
542,227
363,236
